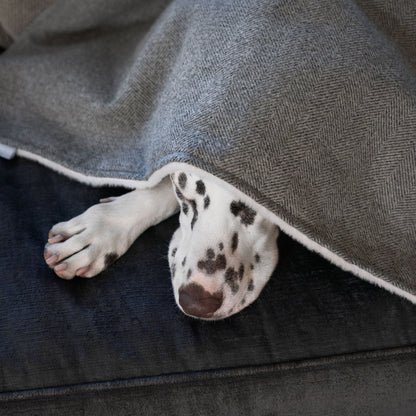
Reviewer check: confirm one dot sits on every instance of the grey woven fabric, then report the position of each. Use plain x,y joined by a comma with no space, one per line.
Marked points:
306,106
5,39
16,15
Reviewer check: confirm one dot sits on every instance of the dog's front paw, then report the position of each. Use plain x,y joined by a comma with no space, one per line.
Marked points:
85,245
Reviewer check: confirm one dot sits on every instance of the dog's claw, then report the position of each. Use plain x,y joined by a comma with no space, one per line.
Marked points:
55,239
51,259
81,271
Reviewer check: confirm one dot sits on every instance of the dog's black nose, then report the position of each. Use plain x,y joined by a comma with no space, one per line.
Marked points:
196,301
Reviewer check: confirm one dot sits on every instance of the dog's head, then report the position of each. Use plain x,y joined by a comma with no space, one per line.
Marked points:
222,254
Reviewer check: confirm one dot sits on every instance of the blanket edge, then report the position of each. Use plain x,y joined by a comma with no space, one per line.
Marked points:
171,167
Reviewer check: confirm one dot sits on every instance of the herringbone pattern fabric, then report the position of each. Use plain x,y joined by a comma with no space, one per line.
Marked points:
306,106
16,15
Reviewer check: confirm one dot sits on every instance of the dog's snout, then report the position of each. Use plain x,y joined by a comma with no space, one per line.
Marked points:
196,301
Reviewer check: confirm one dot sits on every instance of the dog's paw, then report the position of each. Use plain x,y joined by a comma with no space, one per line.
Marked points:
87,244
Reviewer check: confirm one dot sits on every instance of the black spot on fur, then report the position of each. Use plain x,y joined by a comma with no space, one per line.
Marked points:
234,242
243,301
207,201
257,258
173,270
231,278
185,208
211,265
110,258
195,211
221,246
184,261
174,251
210,253
188,275
241,271
246,214
221,262
182,178
179,194
200,187
251,266
250,287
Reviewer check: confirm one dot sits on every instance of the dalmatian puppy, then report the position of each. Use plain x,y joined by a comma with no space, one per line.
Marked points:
220,257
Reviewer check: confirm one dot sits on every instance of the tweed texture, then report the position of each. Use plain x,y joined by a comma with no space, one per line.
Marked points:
307,107
16,15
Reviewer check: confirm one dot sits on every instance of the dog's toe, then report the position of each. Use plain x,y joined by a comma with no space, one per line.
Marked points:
78,247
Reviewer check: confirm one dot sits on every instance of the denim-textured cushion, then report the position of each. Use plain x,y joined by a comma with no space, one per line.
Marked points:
317,338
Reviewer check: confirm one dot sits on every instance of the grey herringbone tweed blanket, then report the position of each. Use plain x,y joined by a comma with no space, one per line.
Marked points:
306,109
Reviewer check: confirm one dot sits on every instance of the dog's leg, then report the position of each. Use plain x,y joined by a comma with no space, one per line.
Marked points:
90,242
